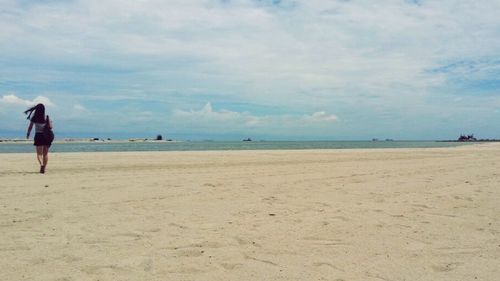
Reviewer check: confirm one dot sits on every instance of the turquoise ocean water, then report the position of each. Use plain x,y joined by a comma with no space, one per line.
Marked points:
219,145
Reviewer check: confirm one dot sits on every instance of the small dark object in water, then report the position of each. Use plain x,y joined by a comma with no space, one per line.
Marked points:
467,138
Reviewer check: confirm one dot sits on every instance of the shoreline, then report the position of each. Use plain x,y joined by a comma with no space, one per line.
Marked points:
158,147
21,141
279,150
30,141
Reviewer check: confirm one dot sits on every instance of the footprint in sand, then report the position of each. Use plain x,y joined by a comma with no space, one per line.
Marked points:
127,236
69,258
420,206
97,269
36,261
243,242
231,266
189,252
64,279
270,199
95,241
446,267
326,264
325,242
178,225
342,218
196,246
156,229
459,251
247,257
147,265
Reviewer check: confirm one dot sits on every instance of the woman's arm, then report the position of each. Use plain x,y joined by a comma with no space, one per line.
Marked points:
29,130
49,122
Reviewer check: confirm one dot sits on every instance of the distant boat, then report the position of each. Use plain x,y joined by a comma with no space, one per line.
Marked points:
374,139
467,138
248,139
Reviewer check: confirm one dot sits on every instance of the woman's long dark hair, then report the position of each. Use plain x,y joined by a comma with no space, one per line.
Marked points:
39,116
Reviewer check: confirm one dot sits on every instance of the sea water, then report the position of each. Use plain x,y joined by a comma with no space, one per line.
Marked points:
218,145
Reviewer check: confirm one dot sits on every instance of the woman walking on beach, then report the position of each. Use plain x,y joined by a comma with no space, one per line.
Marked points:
43,133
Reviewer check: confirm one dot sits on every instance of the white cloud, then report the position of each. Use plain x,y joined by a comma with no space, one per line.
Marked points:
80,108
207,118
208,115
321,116
14,100
46,101
316,43
296,55
253,121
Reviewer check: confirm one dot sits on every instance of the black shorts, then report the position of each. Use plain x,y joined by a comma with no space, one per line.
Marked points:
40,140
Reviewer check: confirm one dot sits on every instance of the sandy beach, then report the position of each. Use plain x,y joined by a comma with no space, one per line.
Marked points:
381,214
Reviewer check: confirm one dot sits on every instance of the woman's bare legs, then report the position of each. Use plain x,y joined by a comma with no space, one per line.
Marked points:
39,154
45,156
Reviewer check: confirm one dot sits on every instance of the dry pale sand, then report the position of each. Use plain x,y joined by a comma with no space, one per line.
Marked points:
396,214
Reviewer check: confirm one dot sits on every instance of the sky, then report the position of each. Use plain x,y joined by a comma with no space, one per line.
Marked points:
265,69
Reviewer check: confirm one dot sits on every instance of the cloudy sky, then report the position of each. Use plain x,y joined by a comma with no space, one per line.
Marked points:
267,69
